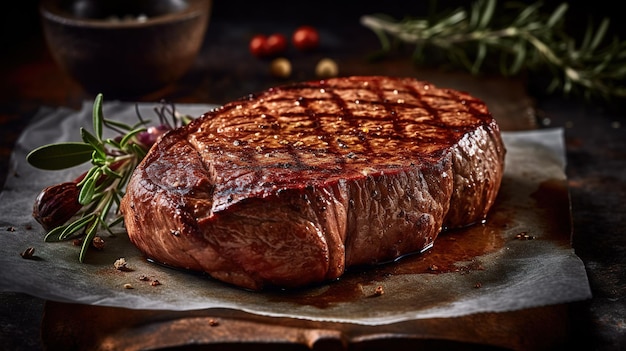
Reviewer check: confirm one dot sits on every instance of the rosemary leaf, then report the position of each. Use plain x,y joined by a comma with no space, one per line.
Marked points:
599,35
129,136
113,143
98,116
92,140
54,234
89,235
137,150
110,173
75,226
87,190
115,222
60,156
90,173
487,13
120,125
557,16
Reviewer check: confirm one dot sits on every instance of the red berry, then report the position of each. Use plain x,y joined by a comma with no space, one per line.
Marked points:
275,44
258,46
305,38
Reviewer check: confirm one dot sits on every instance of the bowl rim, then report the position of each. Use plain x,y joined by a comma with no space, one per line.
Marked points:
50,10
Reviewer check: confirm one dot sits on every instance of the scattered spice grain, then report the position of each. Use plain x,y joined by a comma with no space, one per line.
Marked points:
524,236
121,265
98,243
29,253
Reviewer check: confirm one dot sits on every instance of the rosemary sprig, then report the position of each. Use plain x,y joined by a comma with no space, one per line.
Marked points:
520,37
98,191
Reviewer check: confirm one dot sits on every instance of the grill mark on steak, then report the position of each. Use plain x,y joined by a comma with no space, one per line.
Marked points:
310,178
347,115
389,108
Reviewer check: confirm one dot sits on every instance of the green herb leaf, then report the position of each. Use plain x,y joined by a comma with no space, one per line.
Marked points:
113,143
121,125
600,33
129,136
138,150
60,156
110,173
116,221
75,227
557,15
88,175
89,235
98,116
87,190
487,13
97,144
54,234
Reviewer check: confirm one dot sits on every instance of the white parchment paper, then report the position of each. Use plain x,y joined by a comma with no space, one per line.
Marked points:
539,270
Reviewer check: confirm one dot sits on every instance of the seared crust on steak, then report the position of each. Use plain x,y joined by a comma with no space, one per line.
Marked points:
290,186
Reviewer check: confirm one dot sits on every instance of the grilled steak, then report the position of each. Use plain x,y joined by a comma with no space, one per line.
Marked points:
291,186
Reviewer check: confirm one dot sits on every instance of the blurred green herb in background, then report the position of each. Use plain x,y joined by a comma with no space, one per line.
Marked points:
513,38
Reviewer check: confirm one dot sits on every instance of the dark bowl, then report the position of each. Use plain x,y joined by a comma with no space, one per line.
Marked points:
125,47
